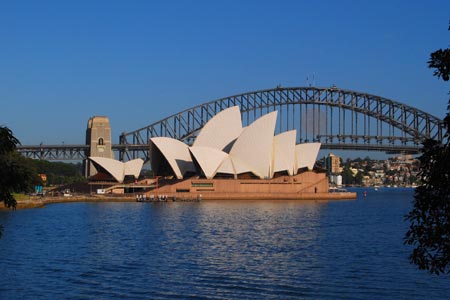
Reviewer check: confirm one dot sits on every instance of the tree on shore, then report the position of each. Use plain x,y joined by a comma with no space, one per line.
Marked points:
429,230
16,175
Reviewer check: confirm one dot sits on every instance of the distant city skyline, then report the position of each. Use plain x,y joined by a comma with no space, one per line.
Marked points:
138,62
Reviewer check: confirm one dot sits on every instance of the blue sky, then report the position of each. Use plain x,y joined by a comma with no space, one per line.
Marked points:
136,62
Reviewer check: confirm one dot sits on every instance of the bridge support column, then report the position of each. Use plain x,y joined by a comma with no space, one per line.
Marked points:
98,138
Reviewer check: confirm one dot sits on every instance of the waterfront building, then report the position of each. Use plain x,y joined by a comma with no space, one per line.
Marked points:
224,148
333,164
43,178
229,161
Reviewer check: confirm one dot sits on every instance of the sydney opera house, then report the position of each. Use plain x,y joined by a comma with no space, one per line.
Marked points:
229,161
226,161
224,148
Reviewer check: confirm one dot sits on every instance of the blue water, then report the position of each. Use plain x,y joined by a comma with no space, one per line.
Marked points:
215,250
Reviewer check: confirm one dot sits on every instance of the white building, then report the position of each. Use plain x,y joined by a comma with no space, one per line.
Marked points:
225,148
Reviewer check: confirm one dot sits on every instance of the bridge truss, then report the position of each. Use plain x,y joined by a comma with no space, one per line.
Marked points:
339,119
71,152
54,152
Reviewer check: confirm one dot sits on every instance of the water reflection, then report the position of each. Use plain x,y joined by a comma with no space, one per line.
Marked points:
213,249
246,243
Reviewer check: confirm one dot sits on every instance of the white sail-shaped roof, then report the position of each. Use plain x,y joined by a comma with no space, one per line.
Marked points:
112,166
253,147
226,167
284,152
221,130
306,155
133,167
209,159
239,166
118,169
176,153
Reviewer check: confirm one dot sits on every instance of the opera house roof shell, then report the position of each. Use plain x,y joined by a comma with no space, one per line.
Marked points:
117,169
224,146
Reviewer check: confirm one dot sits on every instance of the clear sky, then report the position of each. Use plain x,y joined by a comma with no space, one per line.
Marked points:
136,62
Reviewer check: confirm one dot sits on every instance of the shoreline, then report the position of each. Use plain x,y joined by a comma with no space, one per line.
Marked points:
35,202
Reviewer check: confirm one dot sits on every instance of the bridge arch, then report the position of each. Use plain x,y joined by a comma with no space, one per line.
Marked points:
338,118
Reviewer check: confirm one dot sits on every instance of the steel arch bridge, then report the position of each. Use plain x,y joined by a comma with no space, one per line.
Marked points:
338,118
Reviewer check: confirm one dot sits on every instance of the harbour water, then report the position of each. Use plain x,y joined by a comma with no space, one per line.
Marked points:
215,250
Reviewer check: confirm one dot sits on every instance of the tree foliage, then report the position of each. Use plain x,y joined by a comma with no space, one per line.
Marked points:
440,61
16,174
429,231
59,172
347,176
8,141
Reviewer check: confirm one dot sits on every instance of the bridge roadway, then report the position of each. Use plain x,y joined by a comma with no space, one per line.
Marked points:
70,152
78,152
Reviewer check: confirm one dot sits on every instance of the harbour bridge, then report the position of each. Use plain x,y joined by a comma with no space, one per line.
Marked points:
338,118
